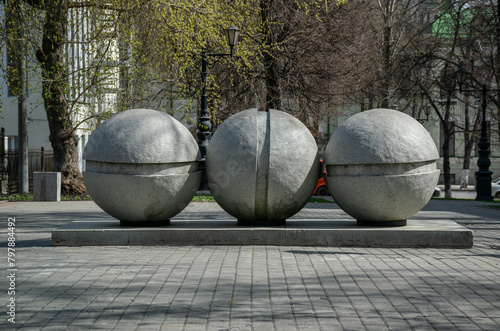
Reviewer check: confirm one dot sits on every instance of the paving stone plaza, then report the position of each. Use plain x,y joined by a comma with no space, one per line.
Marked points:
249,287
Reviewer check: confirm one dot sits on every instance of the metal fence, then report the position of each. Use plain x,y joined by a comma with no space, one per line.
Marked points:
9,166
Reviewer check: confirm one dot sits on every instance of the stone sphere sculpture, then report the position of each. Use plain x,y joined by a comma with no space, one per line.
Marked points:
142,166
262,166
381,167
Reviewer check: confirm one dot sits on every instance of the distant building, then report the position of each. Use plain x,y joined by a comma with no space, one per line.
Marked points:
78,59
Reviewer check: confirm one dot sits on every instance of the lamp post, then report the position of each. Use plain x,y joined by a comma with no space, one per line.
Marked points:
204,125
427,112
483,175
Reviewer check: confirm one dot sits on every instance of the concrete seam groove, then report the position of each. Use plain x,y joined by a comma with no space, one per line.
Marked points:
263,154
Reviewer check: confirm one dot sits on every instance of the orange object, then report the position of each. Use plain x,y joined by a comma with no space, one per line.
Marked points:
321,188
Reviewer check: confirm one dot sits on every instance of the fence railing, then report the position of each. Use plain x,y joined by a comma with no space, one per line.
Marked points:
9,166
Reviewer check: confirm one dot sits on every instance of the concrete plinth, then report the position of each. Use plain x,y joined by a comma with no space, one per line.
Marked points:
303,232
46,186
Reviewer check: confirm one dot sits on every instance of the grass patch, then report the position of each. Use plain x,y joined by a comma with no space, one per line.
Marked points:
17,197
320,200
209,198
77,198
200,198
450,199
29,197
203,198
458,199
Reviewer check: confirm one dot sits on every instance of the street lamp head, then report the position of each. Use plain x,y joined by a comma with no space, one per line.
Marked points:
427,110
461,76
232,34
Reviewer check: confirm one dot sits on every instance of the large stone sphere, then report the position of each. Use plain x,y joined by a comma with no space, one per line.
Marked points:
381,167
142,165
262,166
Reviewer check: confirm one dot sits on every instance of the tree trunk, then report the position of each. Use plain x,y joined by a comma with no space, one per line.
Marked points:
446,166
16,53
273,91
469,139
498,121
22,133
386,74
467,147
52,61
371,101
448,132
496,65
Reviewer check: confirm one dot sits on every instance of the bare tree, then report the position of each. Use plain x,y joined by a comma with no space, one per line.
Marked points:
297,66
118,39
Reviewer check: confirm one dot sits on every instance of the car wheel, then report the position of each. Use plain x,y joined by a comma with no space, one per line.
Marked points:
497,195
323,190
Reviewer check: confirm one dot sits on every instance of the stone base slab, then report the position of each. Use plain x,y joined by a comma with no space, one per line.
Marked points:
303,232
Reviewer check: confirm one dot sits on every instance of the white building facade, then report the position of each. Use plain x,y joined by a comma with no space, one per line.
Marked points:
80,52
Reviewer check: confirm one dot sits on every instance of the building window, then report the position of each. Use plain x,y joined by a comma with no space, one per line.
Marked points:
451,146
12,143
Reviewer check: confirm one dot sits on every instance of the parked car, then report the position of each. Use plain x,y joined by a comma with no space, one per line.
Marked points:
495,188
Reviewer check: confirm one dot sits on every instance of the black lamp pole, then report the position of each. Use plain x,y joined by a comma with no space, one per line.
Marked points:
204,125
483,175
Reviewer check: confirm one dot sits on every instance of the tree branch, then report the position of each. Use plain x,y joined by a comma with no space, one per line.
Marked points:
38,4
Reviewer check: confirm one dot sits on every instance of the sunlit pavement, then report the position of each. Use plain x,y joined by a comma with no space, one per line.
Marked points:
249,287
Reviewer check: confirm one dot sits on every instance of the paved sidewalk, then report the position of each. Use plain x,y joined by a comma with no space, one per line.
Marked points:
250,287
